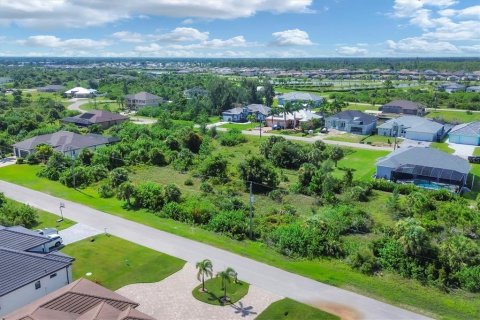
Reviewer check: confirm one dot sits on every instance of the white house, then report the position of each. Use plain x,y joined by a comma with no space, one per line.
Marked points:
27,271
79,92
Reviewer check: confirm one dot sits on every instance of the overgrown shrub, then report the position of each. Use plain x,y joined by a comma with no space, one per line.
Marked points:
106,191
231,223
232,138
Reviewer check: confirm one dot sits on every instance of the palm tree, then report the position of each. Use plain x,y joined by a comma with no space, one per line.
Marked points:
226,277
295,107
274,111
287,108
204,267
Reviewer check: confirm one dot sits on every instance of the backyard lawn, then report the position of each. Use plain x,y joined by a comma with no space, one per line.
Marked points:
114,262
214,291
360,107
289,309
454,116
387,287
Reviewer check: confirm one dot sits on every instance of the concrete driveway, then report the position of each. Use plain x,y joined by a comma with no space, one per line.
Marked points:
77,232
7,161
172,298
462,150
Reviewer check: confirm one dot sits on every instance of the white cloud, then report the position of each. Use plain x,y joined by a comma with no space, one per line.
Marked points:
419,45
351,51
82,13
49,41
294,37
127,36
473,11
407,8
183,35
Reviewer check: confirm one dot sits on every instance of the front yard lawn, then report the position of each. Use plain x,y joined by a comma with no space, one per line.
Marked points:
289,309
114,262
214,291
442,146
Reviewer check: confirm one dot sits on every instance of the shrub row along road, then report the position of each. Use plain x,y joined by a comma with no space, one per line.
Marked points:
344,303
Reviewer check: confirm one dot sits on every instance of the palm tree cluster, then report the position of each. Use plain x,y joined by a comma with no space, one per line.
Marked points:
205,268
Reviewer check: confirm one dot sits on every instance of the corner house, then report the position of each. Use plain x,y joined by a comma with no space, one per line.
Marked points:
425,167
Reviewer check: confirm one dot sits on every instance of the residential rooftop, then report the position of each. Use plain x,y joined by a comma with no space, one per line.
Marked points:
413,123
80,300
63,141
95,117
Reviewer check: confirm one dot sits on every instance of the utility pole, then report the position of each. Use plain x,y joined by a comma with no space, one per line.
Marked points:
73,167
251,212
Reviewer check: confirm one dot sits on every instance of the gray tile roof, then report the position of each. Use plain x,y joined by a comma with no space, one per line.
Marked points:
142,96
63,141
233,111
95,117
467,129
301,96
20,238
413,123
404,104
259,108
356,115
427,157
20,268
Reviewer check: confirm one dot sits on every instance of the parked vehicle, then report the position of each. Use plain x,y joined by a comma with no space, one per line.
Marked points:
51,233
278,127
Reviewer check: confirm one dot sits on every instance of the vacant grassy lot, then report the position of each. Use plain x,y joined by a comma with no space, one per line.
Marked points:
454,116
361,161
288,309
374,140
114,262
387,287
240,126
235,291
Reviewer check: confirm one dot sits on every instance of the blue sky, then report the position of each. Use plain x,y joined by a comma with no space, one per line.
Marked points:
240,28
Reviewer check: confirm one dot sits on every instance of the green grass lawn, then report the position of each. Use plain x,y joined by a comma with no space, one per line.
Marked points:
388,287
240,126
374,140
48,220
115,262
214,294
476,152
442,146
361,161
346,138
455,116
289,309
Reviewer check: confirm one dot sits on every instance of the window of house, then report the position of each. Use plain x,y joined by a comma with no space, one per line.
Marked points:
38,285
53,275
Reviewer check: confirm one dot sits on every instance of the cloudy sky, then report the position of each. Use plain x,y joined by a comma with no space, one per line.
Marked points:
240,28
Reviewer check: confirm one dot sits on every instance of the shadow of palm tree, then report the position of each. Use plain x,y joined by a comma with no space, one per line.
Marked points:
243,310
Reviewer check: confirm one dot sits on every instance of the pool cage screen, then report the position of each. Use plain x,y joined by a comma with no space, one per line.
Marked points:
446,176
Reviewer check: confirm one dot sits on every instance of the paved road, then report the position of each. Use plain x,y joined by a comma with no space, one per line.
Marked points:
76,103
312,139
349,305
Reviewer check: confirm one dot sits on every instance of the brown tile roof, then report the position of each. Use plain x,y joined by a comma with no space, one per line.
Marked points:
80,300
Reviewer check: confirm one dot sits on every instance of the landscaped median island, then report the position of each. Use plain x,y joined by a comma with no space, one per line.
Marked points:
113,262
214,291
288,309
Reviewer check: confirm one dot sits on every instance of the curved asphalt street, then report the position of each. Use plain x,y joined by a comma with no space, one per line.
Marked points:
347,304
